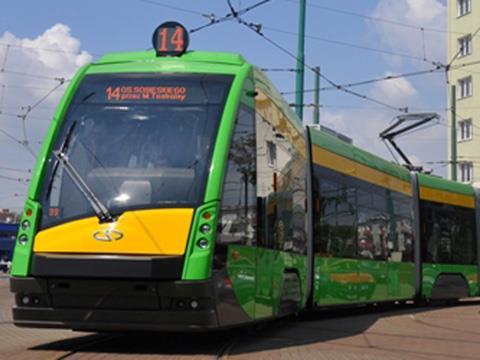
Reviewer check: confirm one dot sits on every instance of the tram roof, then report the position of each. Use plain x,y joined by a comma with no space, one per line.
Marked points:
190,57
439,183
333,144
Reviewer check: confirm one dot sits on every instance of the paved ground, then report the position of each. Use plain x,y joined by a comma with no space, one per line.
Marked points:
388,333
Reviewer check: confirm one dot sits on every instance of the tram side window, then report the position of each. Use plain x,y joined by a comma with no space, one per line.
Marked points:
400,236
237,222
372,223
448,234
336,236
280,182
464,246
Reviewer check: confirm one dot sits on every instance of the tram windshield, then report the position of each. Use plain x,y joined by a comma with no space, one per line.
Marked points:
136,141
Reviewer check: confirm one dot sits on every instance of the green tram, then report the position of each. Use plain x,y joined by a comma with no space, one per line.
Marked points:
182,193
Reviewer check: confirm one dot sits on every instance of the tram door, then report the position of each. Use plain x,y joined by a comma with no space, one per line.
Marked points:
265,258
265,218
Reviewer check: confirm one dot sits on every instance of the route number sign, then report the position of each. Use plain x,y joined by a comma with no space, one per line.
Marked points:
170,39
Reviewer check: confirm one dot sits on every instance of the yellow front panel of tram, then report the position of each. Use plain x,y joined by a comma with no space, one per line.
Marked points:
145,232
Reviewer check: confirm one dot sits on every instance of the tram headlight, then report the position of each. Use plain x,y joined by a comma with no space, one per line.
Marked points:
202,243
205,228
23,239
25,225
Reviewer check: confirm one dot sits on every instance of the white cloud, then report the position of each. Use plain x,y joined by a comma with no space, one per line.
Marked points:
396,91
429,14
53,54
334,121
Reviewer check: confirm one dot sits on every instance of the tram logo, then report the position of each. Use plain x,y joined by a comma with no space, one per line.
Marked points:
107,235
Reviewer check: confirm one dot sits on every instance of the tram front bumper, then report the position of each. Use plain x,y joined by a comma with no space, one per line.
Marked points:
113,305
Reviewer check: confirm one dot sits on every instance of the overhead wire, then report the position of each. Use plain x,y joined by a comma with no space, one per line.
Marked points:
233,14
169,6
15,169
19,179
35,76
371,81
351,45
29,108
377,19
278,70
460,50
3,197
256,28
40,48
25,141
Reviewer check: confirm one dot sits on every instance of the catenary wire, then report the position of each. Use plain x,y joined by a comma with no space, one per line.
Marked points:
257,29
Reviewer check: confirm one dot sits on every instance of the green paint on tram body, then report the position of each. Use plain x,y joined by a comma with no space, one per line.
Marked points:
438,183
257,274
431,272
349,151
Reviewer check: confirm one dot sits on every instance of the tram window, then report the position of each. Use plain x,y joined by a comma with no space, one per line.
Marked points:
237,222
400,233
280,181
133,146
371,234
448,233
337,219
464,245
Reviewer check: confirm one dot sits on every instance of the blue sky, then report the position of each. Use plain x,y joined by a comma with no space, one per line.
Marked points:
86,29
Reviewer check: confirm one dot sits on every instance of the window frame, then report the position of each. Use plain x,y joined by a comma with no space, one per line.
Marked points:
464,7
465,86
466,168
465,135
462,49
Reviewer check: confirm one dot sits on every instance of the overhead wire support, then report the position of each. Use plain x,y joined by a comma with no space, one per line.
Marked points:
5,58
233,14
424,47
459,52
2,98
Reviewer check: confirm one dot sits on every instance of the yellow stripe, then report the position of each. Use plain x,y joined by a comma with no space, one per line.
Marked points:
351,168
446,197
145,232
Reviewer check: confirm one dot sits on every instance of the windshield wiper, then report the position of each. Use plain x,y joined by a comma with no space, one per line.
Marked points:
65,144
100,210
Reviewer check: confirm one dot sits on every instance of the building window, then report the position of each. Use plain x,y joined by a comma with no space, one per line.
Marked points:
465,87
465,129
463,7
466,172
271,153
465,46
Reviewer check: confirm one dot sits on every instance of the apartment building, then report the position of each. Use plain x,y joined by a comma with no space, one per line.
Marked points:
464,47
